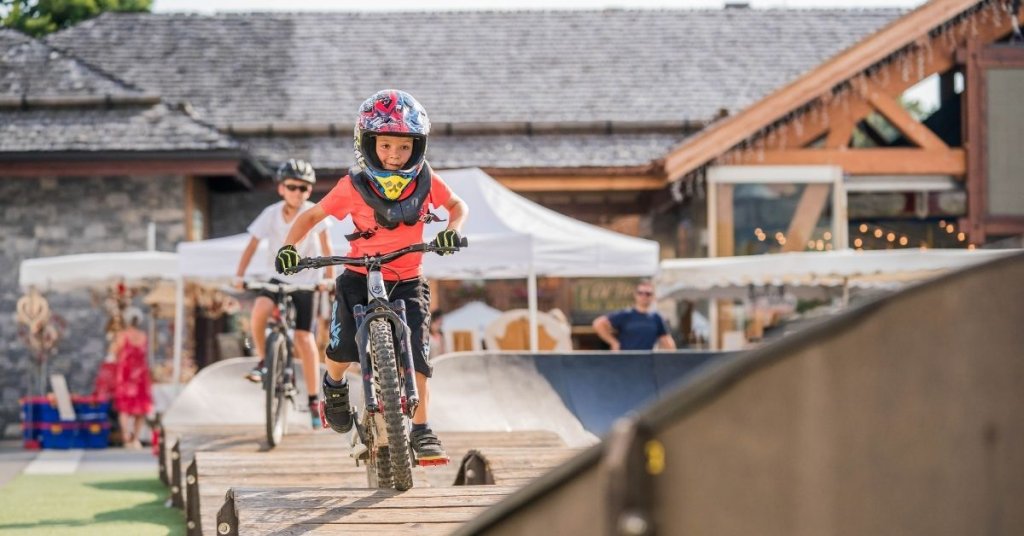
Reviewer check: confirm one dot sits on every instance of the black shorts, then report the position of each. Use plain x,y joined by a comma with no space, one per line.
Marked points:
350,290
302,300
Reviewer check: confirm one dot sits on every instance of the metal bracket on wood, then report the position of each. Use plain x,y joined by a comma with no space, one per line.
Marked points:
631,460
474,470
193,519
227,516
162,438
177,495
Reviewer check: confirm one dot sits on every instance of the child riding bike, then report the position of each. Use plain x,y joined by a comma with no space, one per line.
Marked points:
295,180
389,194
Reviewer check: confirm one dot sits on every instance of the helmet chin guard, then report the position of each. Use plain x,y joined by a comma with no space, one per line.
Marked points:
391,112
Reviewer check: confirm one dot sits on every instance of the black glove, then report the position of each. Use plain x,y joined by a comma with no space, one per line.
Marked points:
287,259
448,238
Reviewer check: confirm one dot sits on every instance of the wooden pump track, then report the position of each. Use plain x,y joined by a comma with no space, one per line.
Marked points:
504,419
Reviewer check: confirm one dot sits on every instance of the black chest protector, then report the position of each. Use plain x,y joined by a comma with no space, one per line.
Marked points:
391,214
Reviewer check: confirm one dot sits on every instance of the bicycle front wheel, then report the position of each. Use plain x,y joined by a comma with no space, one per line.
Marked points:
382,350
274,388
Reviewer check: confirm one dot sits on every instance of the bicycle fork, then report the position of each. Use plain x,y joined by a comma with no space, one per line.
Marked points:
395,311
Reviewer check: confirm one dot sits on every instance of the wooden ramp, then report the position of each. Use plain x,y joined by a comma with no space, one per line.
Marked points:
228,471
342,510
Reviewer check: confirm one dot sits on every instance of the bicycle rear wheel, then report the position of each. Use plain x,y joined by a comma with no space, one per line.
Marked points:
274,388
382,350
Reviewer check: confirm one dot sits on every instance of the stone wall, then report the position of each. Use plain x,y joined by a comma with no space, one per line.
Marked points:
61,216
232,212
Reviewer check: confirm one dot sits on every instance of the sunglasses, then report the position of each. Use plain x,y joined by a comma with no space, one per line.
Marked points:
298,188
644,293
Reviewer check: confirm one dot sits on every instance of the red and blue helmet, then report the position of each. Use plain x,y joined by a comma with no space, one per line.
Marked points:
391,112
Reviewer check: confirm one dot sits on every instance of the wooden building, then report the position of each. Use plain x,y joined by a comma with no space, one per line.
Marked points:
615,117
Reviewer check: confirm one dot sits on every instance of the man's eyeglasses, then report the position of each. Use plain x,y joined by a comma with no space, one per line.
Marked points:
644,293
297,188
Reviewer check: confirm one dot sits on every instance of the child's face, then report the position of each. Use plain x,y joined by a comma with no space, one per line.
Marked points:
294,192
394,151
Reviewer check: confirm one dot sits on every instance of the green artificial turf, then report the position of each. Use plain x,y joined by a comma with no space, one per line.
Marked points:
88,504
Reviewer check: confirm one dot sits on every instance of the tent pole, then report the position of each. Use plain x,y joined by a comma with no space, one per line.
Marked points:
179,330
531,291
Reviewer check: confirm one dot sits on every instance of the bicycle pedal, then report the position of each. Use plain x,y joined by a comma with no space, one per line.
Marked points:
431,462
359,452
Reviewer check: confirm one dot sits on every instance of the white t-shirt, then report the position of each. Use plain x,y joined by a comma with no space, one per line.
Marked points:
270,226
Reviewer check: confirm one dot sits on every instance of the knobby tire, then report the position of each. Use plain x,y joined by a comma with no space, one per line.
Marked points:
382,351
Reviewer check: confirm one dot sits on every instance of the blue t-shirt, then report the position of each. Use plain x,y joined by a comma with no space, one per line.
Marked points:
636,330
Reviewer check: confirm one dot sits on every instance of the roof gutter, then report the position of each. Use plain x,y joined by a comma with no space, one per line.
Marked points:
285,128
26,101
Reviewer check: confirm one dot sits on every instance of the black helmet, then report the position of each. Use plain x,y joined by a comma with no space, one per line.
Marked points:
296,169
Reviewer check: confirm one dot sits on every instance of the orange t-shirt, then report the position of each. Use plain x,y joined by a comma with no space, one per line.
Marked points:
344,200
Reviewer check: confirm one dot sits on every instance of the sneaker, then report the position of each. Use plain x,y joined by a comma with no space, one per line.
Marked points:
314,414
256,375
337,410
426,444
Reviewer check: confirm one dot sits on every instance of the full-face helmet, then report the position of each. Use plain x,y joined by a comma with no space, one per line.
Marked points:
391,112
295,169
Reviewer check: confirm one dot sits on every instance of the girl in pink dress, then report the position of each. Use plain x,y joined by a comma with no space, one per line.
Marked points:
133,397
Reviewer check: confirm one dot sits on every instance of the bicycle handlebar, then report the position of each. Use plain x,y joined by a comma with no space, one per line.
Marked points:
378,259
273,288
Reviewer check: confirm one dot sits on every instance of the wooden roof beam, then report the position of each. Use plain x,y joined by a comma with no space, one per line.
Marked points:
900,118
884,161
846,67
581,183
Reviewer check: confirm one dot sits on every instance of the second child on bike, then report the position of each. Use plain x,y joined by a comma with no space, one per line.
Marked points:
295,180
389,194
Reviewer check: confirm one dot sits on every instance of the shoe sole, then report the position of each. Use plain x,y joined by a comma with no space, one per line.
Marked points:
429,461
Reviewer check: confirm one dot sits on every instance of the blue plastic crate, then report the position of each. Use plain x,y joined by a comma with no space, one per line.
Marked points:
94,435
39,409
59,435
91,409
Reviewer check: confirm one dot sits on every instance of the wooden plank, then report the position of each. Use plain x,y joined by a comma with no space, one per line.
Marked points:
251,511
349,529
247,494
916,132
805,217
359,514
282,501
818,83
884,161
236,459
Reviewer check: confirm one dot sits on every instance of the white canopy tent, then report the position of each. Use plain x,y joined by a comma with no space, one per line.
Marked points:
875,268
90,270
509,237
71,272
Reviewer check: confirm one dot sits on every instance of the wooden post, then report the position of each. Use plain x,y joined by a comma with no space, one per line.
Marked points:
808,211
193,516
177,495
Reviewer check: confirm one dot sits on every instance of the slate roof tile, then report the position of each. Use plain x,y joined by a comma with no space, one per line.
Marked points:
31,69
471,66
98,129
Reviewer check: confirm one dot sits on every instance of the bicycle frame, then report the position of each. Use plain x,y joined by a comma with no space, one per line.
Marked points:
379,306
384,430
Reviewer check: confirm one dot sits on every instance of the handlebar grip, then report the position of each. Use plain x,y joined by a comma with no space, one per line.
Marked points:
464,242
